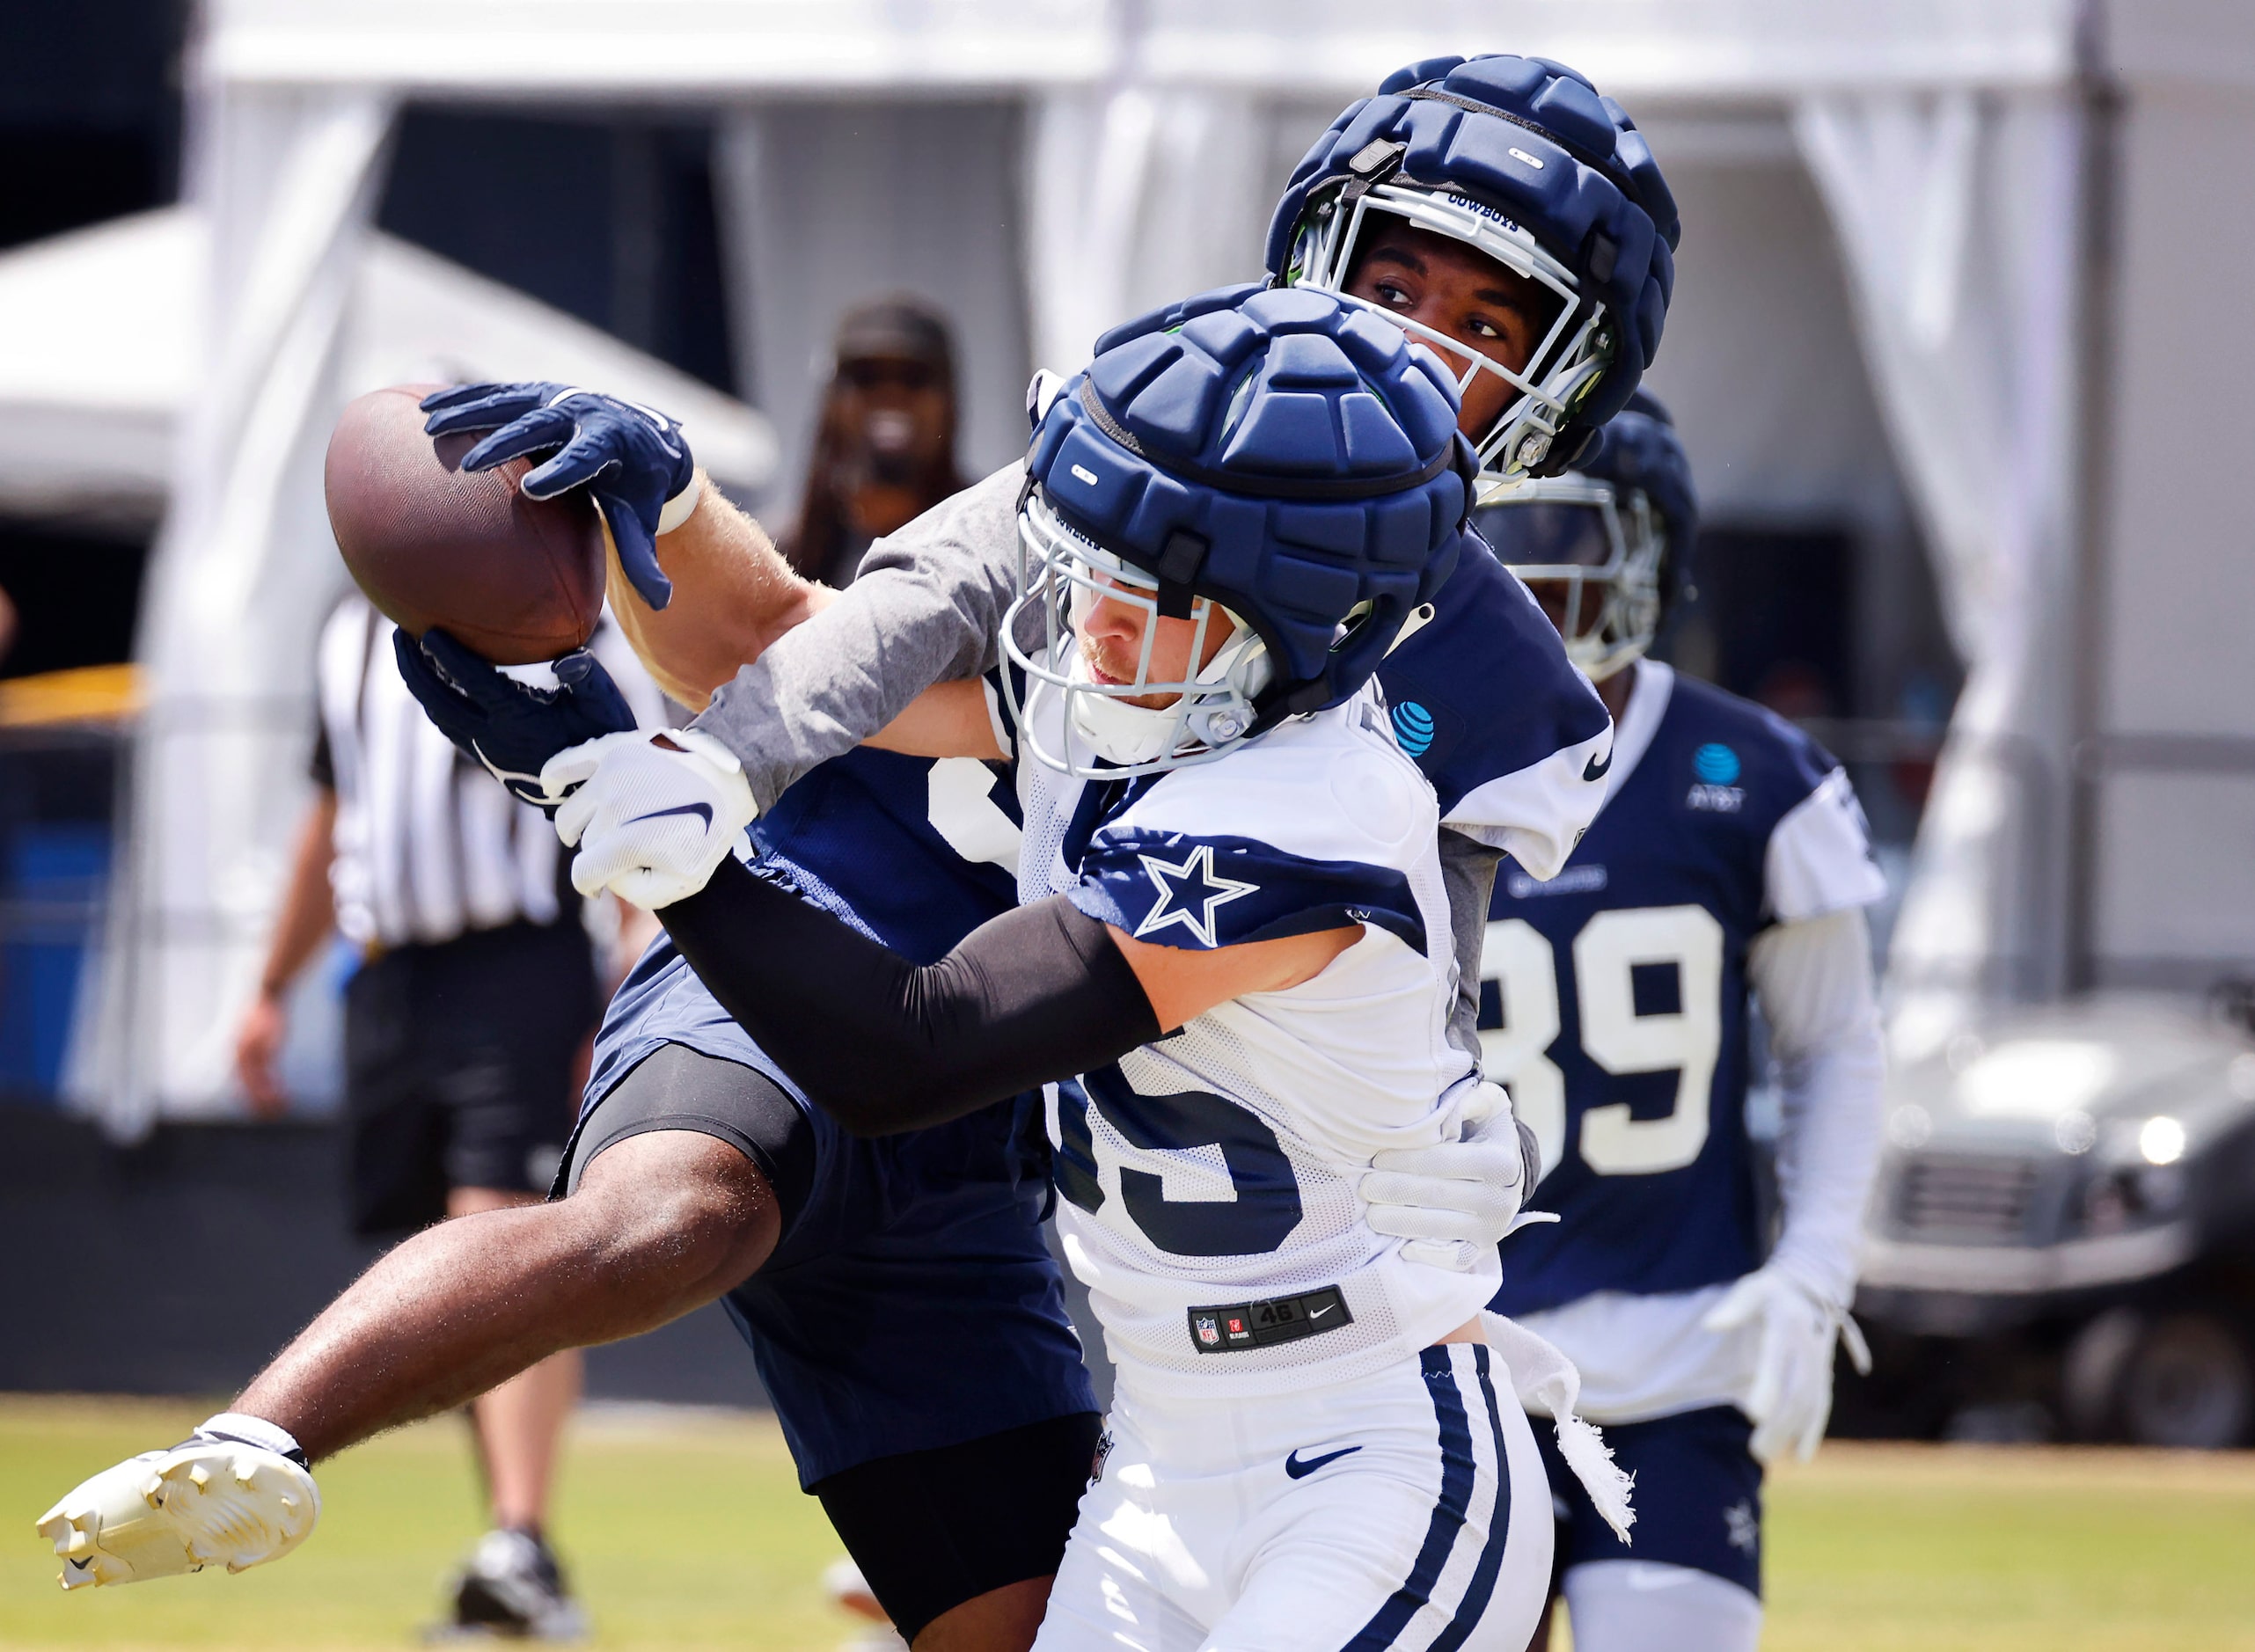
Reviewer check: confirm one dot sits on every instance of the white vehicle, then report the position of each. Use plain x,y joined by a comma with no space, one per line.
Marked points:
2065,1219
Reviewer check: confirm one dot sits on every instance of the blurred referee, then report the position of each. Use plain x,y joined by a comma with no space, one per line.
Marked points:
467,1026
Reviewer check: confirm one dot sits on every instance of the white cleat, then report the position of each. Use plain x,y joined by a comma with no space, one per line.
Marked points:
207,1503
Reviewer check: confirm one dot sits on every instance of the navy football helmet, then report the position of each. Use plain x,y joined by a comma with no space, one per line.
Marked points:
1519,159
1280,462
1608,545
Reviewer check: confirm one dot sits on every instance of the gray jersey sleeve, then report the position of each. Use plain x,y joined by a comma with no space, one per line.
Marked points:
925,608
1467,872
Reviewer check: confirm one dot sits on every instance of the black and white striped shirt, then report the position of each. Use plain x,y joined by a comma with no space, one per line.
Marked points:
428,846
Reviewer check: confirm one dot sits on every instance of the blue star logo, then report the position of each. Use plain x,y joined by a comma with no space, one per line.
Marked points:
1189,893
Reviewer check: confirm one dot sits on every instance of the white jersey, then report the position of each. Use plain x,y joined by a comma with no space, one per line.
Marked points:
1209,1179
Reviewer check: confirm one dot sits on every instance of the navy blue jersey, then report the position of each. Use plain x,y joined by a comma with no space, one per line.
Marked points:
912,1303
915,852
1614,1003
1483,699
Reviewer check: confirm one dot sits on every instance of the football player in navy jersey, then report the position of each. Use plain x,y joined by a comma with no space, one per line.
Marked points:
1729,866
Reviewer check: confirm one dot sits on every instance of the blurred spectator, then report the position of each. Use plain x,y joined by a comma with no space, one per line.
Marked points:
7,626
466,1029
884,448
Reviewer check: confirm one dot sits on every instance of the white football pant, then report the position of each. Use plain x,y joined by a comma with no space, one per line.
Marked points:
1407,1510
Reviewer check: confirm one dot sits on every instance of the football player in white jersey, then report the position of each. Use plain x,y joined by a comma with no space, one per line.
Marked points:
1233,953
1234,930
1730,862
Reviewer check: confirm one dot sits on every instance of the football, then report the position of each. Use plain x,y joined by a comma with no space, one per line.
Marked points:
518,579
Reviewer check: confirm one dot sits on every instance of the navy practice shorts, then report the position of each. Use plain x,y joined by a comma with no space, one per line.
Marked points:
1698,1496
911,1302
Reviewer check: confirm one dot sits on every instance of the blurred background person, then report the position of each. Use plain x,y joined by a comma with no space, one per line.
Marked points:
466,1030
1730,867
884,446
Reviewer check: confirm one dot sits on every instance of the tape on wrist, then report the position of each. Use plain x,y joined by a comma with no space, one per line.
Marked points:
680,508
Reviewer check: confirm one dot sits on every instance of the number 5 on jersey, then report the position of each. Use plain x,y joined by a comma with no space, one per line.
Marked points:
1611,947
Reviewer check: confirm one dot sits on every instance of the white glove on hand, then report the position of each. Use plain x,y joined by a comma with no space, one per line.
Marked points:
1455,1202
650,820
1790,1400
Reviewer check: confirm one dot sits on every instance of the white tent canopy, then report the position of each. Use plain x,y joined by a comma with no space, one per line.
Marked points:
99,348
1948,143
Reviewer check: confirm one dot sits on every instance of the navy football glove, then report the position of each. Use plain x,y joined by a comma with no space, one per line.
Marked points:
630,457
510,726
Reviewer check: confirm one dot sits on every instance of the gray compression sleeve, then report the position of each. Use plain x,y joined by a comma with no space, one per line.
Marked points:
1467,872
925,608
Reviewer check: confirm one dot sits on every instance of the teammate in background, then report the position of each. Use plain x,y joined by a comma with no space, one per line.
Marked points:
1729,862
884,447
466,1024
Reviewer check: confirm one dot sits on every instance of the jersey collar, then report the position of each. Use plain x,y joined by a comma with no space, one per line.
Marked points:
1648,704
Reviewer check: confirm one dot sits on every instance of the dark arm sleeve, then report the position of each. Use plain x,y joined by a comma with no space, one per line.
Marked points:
883,1045
322,768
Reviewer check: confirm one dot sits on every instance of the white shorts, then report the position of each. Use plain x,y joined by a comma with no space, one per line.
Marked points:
1405,1509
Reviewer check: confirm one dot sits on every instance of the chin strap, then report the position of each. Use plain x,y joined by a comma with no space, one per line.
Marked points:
1130,734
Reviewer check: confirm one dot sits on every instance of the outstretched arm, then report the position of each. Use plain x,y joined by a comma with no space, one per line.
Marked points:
926,608
795,675
1041,993
733,595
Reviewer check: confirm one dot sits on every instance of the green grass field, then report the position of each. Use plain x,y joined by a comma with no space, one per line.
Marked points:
690,1532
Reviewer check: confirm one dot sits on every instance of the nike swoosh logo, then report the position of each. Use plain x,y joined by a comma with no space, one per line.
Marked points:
1595,770
525,788
703,811
1318,1315
1298,1470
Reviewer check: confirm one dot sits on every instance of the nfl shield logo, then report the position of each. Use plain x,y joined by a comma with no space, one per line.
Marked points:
1209,1332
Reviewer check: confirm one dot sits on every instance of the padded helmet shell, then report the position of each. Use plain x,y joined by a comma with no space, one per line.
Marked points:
1638,449
1532,140
1286,455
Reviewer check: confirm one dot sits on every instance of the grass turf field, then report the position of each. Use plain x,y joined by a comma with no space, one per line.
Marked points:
689,1531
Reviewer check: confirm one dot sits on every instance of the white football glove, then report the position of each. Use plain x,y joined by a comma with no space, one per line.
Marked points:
1456,1200
650,820
213,1500
1791,1399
